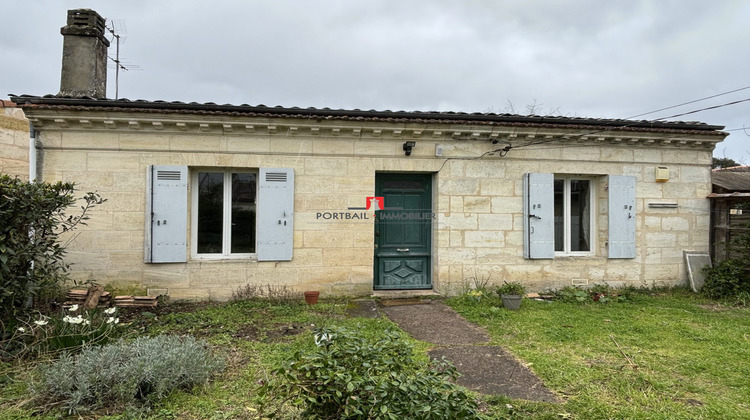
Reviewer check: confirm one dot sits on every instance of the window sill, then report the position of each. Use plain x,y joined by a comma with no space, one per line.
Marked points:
224,258
582,256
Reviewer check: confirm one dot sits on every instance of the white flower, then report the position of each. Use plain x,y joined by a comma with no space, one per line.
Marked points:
322,339
113,320
73,319
41,322
110,311
73,308
21,329
86,322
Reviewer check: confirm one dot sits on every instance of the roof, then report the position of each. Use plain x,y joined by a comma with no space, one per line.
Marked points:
735,179
93,104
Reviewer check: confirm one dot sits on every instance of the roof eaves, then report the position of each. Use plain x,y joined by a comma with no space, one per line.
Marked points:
52,101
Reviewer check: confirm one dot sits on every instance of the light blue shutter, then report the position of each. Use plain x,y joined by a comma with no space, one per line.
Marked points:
166,214
621,216
275,224
538,216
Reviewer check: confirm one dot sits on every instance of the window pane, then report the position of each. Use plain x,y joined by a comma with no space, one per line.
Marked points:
580,211
243,213
210,212
559,215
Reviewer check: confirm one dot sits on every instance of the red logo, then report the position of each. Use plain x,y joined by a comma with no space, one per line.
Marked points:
375,203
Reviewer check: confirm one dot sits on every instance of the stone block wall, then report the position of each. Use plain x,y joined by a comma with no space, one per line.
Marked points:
478,232
14,141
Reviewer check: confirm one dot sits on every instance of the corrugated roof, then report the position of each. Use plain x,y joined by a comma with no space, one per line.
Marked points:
735,179
53,101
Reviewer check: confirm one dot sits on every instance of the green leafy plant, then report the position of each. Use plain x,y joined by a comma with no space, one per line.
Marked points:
572,294
32,216
127,373
727,279
475,295
730,278
350,377
72,329
512,288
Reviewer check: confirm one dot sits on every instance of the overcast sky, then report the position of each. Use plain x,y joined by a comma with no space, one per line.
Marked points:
579,58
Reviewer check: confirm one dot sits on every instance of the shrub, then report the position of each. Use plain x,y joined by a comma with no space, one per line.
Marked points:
127,373
727,279
730,279
32,216
350,377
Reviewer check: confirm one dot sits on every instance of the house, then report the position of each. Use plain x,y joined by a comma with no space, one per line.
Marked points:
205,198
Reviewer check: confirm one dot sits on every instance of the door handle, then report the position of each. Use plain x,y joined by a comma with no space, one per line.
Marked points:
402,249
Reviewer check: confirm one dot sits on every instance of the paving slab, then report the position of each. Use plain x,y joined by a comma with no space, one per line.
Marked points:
437,323
494,371
486,369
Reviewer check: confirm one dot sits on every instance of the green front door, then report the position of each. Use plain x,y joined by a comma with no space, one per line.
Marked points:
402,231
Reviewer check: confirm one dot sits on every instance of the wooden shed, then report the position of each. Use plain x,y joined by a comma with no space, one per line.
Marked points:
730,208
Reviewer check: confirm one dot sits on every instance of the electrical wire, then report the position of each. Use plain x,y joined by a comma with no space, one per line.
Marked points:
704,109
639,122
689,102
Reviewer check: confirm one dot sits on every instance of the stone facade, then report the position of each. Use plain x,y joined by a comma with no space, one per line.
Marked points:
14,141
477,195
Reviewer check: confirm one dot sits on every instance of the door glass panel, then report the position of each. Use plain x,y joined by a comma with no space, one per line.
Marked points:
559,188
580,215
210,212
243,213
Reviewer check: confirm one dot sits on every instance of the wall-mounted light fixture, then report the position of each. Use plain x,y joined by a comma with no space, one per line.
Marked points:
408,146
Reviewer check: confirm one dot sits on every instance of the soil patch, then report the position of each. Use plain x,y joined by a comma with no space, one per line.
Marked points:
279,332
492,370
363,308
248,332
128,314
436,323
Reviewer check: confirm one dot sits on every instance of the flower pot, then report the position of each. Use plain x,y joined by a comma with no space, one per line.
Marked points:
311,297
512,302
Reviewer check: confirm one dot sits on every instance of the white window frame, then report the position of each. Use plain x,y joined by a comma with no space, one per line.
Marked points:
566,216
227,218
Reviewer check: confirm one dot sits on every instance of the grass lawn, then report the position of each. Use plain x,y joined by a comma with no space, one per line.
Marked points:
663,356
670,356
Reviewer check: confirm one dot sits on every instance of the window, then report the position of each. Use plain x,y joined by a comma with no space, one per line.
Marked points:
224,203
235,213
559,215
573,215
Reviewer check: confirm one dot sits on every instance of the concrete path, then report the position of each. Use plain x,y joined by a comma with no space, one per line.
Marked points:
486,369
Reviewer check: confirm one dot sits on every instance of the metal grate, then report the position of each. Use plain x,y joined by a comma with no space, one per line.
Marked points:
275,176
168,175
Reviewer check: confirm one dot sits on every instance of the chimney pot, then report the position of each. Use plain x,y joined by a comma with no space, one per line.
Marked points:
84,61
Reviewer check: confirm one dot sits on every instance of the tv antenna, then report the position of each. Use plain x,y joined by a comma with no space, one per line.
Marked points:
117,28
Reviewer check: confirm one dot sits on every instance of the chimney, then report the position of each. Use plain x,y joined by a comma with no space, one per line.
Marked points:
84,60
